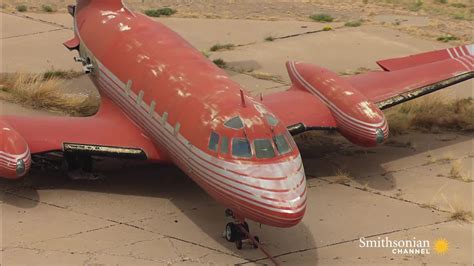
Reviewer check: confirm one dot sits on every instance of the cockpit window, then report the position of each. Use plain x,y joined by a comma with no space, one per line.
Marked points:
281,144
264,149
235,123
213,141
272,121
241,148
224,145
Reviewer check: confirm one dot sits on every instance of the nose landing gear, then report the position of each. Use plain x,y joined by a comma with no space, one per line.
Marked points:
239,231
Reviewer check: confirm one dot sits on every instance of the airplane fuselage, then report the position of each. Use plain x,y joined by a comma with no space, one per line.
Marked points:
226,141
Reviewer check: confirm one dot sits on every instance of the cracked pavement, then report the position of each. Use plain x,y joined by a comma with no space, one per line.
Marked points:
149,214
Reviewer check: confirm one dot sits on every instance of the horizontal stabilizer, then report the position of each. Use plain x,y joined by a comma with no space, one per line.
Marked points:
72,44
462,54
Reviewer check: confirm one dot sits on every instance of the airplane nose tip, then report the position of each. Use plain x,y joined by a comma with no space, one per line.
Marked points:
295,202
15,157
20,167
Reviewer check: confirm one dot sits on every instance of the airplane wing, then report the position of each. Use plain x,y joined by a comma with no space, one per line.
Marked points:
318,97
108,133
413,76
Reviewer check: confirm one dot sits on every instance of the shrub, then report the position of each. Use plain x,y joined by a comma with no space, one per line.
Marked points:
21,8
220,62
219,47
165,11
355,23
47,8
447,38
322,17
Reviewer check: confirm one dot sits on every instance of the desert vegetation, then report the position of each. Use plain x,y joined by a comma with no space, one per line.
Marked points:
431,114
164,11
45,91
220,47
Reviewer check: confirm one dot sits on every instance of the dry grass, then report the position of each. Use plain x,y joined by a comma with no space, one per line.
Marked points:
357,71
431,114
342,177
462,216
458,211
457,172
221,47
265,76
46,93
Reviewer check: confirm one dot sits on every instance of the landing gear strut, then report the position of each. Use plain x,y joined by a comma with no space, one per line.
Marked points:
80,167
239,231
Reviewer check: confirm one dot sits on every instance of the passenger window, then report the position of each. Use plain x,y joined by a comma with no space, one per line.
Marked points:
281,144
264,149
213,141
234,123
224,145
241,148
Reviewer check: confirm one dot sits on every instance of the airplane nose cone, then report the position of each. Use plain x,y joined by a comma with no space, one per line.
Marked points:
289,202
15,157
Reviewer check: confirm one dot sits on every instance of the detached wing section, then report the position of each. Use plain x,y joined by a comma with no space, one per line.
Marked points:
414,76
110,133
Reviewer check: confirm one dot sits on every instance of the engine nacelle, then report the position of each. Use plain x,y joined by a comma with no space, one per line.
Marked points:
15,157
358,119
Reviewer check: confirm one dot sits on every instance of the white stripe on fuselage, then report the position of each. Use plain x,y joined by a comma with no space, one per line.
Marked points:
182,153
185,155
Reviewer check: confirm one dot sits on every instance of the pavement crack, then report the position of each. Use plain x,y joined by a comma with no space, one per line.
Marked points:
349,241
177,239
37,20
74,234
34,200
305,33
421,205
30,34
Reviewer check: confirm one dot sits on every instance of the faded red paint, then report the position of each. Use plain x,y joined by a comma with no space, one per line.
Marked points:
162,96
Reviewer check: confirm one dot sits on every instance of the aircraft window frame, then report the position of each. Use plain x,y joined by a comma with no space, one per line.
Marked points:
236,153
224,147
279,147
271,120
230,123
259,149
213,141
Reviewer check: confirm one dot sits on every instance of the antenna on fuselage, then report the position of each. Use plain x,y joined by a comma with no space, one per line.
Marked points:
242,98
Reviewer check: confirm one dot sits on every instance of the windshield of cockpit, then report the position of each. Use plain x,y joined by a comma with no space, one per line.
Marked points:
243,147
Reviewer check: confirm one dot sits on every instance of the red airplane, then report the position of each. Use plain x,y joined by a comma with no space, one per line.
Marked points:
164,102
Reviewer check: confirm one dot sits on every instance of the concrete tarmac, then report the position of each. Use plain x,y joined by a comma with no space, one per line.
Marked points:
154,215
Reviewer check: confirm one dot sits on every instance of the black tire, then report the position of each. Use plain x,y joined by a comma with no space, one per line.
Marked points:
238,243
257,240
230,232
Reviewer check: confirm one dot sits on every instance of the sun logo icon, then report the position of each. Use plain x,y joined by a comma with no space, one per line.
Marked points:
441,246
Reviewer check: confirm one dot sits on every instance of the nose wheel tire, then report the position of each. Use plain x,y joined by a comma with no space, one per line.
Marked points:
237,233
231,232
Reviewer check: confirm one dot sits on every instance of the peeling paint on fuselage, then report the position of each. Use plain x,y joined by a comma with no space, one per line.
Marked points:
165,70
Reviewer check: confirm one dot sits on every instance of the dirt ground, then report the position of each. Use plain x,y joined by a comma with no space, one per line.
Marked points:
154,215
